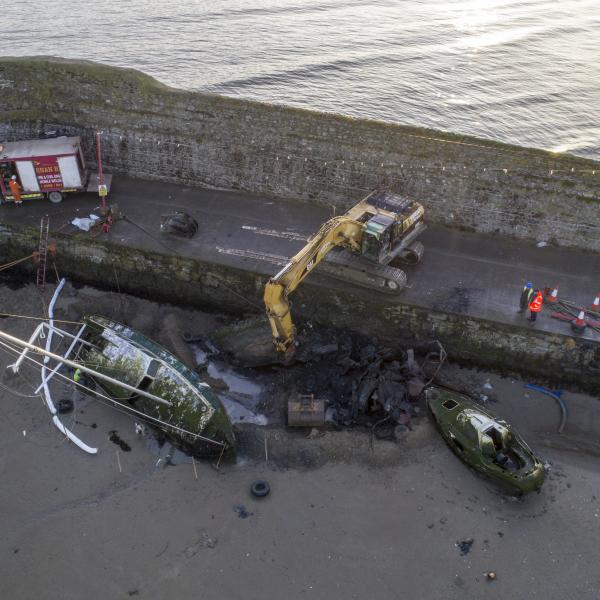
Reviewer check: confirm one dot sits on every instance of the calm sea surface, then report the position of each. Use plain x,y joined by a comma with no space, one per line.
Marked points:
526,71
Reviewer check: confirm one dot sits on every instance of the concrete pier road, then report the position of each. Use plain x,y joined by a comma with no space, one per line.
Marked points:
468,273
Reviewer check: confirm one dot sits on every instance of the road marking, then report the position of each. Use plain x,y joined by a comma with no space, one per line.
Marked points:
272,258
288,235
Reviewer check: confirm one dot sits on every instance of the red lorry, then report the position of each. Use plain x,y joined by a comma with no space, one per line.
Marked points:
47,168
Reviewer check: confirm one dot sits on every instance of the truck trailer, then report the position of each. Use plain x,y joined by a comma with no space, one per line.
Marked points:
47,168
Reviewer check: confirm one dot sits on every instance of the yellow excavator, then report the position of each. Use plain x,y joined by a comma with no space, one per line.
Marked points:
362,246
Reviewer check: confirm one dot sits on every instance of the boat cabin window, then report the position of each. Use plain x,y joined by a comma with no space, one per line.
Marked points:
148,379
496,437
486,445
450,404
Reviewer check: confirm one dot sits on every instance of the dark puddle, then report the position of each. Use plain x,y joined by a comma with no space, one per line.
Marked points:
167,454
113,436
464,546
241,511
93,425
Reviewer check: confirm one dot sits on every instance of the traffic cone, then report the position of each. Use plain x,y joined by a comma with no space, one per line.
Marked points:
596,303
579,323
553,297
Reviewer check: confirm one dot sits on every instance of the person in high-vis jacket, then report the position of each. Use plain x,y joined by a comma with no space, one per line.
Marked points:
535,306
15,190
526,295
84,385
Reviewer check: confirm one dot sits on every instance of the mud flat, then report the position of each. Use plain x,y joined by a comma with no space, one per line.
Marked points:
364,521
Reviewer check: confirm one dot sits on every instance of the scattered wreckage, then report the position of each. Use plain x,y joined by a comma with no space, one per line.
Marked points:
341,378
135,375
484,442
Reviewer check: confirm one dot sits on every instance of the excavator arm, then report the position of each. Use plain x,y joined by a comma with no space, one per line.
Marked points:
339,231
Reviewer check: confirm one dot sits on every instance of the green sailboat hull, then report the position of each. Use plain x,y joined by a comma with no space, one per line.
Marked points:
192,415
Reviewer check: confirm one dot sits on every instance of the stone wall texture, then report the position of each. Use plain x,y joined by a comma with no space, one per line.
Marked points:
152,131
558,358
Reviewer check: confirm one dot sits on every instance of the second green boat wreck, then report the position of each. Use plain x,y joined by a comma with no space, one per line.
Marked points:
183,406
484,442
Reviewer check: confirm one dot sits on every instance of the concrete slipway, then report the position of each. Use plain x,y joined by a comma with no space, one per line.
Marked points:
464,293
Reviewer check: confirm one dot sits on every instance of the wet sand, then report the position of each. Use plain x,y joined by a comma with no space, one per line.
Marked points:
355,523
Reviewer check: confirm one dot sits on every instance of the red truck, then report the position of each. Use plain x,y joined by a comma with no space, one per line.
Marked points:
47,168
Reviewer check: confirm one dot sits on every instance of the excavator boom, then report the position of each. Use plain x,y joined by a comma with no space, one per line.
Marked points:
339,231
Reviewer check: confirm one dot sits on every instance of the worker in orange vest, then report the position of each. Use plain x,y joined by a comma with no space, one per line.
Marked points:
535,306
15,190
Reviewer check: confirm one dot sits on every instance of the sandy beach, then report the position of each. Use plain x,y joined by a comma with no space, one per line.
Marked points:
343,519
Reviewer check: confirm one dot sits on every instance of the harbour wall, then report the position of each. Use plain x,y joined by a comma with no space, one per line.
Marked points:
152,131
573,361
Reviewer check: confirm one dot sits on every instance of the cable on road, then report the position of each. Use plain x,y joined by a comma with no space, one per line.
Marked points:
242,297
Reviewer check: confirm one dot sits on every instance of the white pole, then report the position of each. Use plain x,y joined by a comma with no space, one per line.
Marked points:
59,365
74,365
47,396
15,366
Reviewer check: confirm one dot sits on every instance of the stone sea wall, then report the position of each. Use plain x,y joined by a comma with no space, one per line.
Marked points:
562,359
155,132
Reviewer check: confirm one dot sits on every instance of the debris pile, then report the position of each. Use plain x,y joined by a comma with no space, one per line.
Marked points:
365,384
464,546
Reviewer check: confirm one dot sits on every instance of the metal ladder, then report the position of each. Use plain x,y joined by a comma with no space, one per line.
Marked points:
43,253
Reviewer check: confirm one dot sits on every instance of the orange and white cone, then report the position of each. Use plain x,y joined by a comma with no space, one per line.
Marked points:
553,296
579,324
596,303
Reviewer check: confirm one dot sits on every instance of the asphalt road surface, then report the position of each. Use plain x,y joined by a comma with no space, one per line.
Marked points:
476,274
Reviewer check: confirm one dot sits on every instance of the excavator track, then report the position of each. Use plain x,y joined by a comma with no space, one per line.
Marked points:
350,268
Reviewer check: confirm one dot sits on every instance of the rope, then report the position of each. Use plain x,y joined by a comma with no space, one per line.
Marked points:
15,393
16,262
126,218
114,403
242,297
3,315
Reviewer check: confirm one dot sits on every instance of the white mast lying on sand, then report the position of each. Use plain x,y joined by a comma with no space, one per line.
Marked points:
61,361
29,346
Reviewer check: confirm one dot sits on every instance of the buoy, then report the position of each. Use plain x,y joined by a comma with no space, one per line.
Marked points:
579,323
596,303
553,297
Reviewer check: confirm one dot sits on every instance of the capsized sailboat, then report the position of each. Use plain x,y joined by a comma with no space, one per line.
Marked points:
132,373
191,411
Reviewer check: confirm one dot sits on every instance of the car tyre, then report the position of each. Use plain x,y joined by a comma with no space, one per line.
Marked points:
260,488
65,406
55,197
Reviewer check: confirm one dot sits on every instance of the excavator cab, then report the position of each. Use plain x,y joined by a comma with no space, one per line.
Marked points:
377,237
